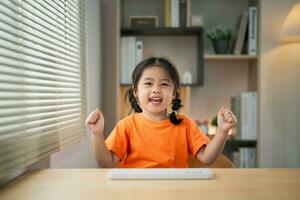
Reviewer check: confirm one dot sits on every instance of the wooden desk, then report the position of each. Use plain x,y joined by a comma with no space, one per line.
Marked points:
91,184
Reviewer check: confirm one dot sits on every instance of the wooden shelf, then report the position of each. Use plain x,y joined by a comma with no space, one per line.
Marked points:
162,31
240,143
229,57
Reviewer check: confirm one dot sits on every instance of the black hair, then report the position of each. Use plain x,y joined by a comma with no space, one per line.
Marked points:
173,73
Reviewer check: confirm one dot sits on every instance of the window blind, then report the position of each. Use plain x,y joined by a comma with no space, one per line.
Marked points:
42,79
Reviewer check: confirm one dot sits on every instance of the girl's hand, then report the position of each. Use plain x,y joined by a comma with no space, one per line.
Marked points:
95,121
226,119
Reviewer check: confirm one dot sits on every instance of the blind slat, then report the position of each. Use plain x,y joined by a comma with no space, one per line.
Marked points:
37,89
39,30
73,18
39,125
31,155
35,117
39,109
7,39
10,56
19,137
37,103
37,40
57,20
28,17
36,48
14,68
42,36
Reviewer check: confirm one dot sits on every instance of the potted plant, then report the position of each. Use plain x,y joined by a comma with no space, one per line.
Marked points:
213,126
221,37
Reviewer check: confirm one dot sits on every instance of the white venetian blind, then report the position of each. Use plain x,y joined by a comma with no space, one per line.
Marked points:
42,79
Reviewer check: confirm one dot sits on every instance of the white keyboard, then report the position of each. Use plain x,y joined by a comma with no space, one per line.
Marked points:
161,173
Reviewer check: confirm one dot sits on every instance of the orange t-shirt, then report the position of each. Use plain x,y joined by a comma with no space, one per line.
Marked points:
143,143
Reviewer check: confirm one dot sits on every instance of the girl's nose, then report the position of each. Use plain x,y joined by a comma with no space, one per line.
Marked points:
156,89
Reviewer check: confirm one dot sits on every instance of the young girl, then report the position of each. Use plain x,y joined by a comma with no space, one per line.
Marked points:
153,137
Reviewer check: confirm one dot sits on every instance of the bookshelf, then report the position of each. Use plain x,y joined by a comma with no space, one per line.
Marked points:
227,57
219,76
169,31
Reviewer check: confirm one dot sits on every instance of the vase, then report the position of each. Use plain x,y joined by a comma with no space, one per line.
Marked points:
221,46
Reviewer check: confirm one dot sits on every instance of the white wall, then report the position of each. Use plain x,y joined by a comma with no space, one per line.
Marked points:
80,155
222,80
279,89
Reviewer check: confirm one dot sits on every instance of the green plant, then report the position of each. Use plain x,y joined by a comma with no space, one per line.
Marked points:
214,121
220,32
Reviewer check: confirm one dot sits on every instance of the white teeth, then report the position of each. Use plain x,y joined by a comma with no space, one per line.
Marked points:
155,99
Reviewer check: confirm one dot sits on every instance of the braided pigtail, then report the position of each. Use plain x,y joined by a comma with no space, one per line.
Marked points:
176,105
133,102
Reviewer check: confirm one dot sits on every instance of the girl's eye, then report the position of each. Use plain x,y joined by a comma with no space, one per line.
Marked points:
165,84
147,83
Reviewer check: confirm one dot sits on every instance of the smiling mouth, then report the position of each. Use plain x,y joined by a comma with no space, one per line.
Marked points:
155,100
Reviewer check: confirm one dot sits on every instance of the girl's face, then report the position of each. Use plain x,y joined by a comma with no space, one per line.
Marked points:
155,92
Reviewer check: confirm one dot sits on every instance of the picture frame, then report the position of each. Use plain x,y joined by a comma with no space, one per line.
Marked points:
149,21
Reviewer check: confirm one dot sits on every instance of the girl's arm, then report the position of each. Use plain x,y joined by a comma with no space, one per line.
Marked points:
226,120
95,122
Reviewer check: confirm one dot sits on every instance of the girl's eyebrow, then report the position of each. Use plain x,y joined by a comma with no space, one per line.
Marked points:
151,79
166,79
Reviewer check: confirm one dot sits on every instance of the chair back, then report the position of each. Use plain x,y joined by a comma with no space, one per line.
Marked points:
221,162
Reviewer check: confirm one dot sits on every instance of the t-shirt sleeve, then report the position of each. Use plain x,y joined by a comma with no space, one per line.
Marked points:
117,141
196,139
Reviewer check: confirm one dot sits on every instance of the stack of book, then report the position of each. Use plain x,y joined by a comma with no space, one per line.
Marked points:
244,106
246,40
131,55
177,13
245,157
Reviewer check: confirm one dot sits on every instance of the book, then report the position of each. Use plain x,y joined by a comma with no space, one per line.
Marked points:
167,10
237,112
183,13
241,32
245,157
131,57
124,61
252,31
246,112
128,59
236,158
252,157
174,13
188,13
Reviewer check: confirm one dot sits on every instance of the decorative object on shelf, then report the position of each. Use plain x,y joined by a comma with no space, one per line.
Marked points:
143,21
196,20
187,77
221,37
290,30
213,126
214,121
203,125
